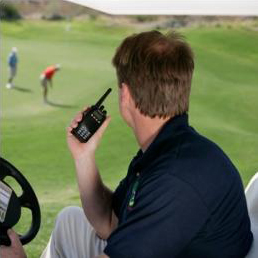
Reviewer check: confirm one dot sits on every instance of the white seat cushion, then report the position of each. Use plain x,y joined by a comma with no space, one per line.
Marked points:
251,193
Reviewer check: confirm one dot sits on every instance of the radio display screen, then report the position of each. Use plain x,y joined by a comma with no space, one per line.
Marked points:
97,115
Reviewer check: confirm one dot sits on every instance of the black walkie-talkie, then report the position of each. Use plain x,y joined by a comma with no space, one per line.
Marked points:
91,121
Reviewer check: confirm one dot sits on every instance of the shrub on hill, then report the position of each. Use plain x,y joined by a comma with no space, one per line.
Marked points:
9,12
53,17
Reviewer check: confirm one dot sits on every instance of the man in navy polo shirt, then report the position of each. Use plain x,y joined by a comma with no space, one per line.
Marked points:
182,196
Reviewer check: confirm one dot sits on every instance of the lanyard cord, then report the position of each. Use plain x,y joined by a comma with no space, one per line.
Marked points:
134,190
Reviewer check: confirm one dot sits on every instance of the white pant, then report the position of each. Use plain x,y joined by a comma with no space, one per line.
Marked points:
43,80
12,72
73,237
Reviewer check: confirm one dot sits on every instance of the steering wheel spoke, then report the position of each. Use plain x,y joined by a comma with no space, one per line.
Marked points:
14,204
24,201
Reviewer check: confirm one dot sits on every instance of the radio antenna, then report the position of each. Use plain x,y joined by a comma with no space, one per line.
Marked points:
102,98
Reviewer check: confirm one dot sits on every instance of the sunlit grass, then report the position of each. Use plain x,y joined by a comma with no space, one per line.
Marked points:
223,104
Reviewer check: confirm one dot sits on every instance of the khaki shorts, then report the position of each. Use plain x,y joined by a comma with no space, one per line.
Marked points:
73,237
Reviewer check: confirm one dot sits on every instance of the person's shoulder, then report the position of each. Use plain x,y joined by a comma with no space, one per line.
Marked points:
195,159
190,147
199,148
205,166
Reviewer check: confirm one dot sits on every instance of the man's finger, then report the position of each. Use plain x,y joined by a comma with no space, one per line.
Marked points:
13,236
77,118
86,108
69,130
74,124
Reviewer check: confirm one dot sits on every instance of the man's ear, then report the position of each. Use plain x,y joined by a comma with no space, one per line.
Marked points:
125,94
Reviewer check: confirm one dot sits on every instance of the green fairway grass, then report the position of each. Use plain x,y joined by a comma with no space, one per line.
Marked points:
223,105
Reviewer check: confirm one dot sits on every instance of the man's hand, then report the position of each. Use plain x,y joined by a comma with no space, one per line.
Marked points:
15,250
79,149
95,196
102,256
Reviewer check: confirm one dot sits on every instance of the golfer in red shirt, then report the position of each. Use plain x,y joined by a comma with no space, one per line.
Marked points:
46,78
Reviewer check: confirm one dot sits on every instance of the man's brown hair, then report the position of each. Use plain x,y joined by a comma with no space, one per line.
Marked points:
158,70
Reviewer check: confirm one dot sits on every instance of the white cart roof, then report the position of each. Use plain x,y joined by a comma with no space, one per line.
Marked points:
173,7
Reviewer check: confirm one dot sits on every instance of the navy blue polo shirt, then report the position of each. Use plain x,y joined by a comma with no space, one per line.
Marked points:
182,197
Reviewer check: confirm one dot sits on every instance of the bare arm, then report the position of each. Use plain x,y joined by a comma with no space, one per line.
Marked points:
96,198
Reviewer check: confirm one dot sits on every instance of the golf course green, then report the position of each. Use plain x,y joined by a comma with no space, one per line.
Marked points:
223,107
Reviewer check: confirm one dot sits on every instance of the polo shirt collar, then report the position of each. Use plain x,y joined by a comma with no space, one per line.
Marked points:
165,136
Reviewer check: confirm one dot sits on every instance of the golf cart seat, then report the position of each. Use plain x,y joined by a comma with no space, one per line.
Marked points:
251,193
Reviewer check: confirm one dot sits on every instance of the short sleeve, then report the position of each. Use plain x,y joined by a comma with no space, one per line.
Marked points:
118,196
166,215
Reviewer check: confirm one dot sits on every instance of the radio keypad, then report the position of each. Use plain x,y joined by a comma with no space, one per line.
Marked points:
83,132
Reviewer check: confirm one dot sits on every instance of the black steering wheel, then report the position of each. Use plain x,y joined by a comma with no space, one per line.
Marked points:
10,204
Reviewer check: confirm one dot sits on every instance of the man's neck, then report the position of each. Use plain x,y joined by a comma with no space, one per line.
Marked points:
146,129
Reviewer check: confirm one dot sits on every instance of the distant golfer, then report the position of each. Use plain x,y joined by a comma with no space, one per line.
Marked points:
46,78
12,63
